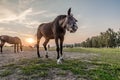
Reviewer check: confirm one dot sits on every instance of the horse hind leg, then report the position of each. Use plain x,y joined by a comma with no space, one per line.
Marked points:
46,50
38,41
14,48
18,48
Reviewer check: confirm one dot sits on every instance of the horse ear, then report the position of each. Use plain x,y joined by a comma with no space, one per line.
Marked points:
69,11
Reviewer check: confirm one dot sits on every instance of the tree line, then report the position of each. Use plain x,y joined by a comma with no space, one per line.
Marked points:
109,38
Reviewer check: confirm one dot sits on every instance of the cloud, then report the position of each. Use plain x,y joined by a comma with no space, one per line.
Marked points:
24,4
14,33
24,14
25,35
24,17
39,12
50,14
32,24
1,28
6,14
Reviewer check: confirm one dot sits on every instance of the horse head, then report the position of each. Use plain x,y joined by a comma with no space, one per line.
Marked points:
70,22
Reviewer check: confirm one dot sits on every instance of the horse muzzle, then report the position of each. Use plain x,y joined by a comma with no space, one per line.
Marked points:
74,29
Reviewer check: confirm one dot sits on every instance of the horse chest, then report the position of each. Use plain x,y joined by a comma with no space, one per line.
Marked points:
48,35
60,32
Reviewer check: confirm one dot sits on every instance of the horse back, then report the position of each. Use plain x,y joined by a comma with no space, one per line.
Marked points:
17,40
46,30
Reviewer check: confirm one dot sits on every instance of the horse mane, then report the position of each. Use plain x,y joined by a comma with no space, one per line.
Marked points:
56,20
59,18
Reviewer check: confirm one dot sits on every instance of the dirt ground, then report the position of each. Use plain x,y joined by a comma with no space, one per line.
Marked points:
8,57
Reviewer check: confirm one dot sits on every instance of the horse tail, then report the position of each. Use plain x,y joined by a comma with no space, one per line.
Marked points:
20,45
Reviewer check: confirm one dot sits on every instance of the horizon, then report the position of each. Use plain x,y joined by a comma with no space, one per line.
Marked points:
22,17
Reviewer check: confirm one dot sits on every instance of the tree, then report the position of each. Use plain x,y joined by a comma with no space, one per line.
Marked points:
88,42
109,38
118,38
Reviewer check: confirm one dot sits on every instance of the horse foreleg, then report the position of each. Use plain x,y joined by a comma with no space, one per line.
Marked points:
1,48
59,61
61,46
1,45
57,47
46,50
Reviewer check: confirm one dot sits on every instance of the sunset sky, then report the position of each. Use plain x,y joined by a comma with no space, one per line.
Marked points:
22,17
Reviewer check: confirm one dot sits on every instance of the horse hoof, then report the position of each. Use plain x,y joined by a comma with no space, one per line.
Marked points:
59,61
46,56
62,59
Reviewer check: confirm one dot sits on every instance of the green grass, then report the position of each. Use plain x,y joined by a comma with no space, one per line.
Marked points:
108,55
37,68
61,73
5,73
93,50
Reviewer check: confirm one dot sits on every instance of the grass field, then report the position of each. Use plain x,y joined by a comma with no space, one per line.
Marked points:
108,55
104,67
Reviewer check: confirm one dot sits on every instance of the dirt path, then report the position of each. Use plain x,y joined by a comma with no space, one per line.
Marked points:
8,56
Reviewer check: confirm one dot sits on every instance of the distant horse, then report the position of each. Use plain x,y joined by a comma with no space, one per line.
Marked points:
56,30
11,40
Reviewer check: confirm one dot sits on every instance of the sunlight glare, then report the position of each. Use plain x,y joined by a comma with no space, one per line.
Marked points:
30,40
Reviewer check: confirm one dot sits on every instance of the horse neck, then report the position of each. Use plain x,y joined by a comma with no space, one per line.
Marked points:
4,38
1,37
60,21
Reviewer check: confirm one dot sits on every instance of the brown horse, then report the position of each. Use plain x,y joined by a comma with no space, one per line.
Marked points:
56,30
11,40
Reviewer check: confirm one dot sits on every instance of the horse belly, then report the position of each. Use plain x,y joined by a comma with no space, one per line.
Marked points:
49,36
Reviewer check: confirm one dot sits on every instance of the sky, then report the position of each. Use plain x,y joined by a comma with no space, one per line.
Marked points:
22,17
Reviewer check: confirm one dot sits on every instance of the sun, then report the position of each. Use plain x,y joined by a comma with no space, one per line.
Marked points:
30,40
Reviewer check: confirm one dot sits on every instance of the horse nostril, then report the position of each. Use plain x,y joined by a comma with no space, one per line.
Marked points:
73,24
